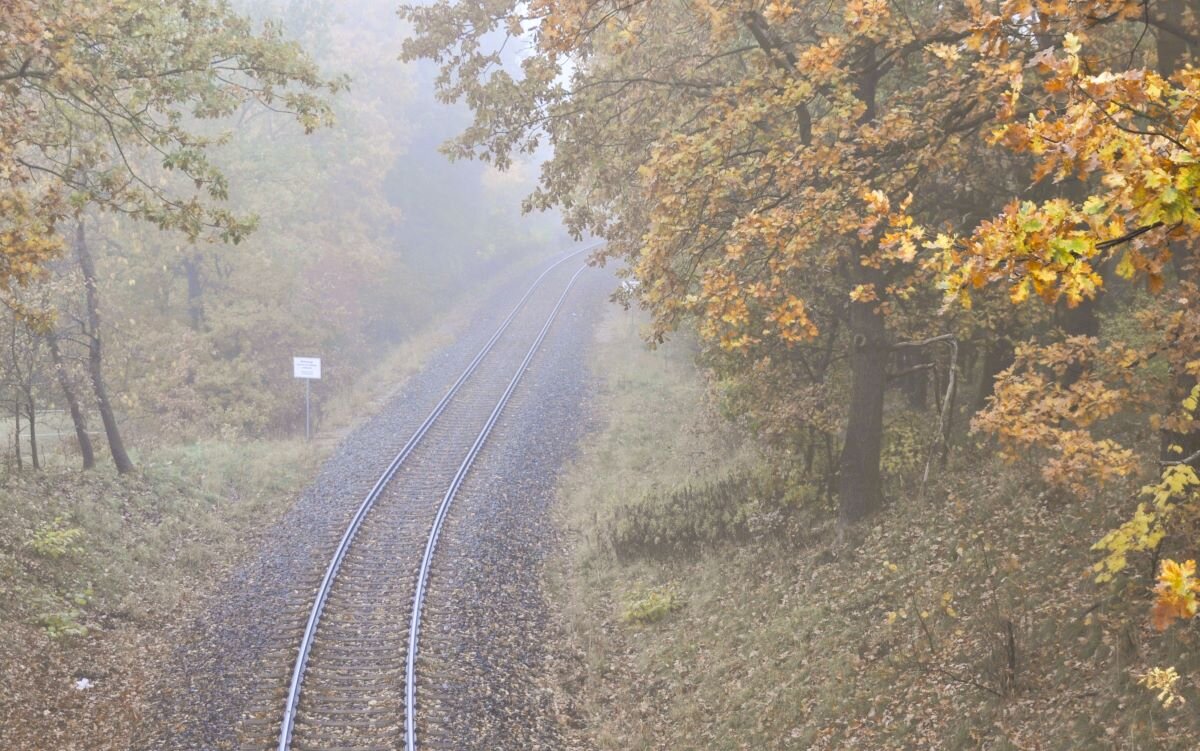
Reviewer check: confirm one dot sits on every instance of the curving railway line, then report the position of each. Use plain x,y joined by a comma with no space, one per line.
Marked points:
353,684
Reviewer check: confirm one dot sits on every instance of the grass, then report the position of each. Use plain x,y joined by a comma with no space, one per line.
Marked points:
140,542
97,569
651,606
968,620
98,572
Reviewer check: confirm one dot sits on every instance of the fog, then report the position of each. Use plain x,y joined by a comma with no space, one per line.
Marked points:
311,439
364,234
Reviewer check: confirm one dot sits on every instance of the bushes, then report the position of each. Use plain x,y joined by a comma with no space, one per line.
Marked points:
749,502
54,539
906,445
62,615
650,606
664,524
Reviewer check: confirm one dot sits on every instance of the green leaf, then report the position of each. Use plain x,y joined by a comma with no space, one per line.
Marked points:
1069,250
1093,205
1125,268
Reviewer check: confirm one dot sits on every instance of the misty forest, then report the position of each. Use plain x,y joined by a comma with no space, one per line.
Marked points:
579,374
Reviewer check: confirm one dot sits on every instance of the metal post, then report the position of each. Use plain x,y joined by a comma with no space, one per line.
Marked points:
307,423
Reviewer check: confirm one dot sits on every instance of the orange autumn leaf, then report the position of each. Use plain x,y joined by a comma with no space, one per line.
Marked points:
1175,593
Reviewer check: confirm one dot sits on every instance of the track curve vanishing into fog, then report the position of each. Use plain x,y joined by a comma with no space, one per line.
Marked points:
354,655
308,647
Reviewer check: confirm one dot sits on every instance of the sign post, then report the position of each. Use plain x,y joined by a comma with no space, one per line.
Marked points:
308,368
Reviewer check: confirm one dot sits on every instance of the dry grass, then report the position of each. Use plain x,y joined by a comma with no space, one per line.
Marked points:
965,621
148,546
151,546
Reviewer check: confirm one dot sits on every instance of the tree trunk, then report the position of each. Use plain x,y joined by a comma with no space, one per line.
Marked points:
95,356
948,414
17,432
860,486
1188,437
77,417
829,481
1082,319
31,413
914,384
195,291
998,355
1172,51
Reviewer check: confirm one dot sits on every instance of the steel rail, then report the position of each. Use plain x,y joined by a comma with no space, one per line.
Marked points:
414,628
292,700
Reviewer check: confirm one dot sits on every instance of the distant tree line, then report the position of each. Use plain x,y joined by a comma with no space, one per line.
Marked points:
179,217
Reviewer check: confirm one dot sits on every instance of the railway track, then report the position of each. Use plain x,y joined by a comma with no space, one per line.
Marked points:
353,679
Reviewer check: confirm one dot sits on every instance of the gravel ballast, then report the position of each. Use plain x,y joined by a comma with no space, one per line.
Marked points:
489,651
223,686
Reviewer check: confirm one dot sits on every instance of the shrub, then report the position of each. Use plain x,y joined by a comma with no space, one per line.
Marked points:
61,614
905,448
665,524
54,539
650,606
63,623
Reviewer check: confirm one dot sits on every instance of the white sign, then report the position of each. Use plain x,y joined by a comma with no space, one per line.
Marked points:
306,367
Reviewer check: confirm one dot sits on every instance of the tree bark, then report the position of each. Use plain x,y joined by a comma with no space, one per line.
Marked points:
860,485
77,417
1083,319
195,291
95,355
31,414
17,432
914,384
1171,50
998,355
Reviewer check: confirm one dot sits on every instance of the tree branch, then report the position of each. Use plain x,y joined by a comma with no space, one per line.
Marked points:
1178,462
783,58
